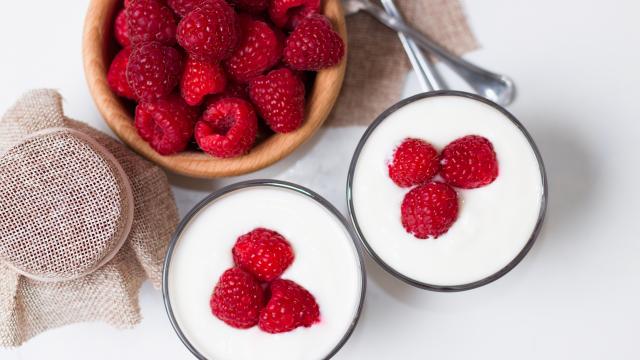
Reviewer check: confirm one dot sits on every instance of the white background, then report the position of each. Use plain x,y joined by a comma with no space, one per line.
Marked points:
576,295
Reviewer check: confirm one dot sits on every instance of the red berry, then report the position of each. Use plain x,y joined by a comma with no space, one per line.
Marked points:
469,162
120,29
210,32
290,306
151,20
237,299
153,70
259,49
286,13
313,45
183,7
252,6
228,128
429,210
166,124
117,75
279,98
414,162
264,253
201,78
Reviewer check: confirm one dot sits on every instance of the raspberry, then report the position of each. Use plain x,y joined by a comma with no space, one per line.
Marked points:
414,162
289,306
264,253
151,20
200,79
120,29
237,299
279,97
153,70
469,162
313,45
210,32
117,75
259,49
183,7
228,128
429,210
252,6
287,13
166,124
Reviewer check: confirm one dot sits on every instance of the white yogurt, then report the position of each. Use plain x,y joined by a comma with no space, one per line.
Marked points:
326,263
495,222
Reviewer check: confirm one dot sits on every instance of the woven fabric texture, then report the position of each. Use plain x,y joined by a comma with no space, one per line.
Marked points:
110,293
73,204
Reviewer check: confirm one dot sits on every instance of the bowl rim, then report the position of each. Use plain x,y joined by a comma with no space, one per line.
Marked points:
423,285
97,35
255,184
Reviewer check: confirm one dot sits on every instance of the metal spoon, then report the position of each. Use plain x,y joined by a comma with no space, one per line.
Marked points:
428,75
495,87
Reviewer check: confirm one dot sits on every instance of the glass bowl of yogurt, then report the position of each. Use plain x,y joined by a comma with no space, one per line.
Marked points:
328,262
496,225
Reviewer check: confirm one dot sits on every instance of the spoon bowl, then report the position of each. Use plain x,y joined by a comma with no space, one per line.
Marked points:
495,87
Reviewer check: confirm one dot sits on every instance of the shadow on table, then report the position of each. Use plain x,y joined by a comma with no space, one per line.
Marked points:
572,176
395,288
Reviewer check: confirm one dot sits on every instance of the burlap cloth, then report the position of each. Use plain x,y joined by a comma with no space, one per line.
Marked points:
110,293
377,65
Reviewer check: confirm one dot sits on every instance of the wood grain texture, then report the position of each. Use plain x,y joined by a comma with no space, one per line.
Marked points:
97,52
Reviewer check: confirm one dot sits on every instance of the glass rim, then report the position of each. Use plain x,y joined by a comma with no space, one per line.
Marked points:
388,268
253,184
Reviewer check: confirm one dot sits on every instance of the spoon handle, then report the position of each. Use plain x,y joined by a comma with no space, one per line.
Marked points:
427,73
496,87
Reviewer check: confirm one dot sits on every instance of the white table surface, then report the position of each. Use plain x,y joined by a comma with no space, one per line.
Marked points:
577,293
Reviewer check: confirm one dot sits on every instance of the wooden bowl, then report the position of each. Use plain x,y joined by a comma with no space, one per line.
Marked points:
98,50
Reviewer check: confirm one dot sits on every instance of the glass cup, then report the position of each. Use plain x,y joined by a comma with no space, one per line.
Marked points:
380,258
232,190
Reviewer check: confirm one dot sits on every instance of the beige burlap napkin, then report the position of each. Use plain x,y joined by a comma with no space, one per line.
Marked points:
377,65
110,293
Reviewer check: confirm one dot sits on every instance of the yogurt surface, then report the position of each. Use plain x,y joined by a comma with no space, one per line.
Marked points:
495,222
326,263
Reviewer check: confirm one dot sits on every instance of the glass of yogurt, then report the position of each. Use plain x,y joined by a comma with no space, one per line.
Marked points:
328,262
497,224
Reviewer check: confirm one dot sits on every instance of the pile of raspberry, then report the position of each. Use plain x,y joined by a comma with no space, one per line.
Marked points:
216,70
431,207
252,292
